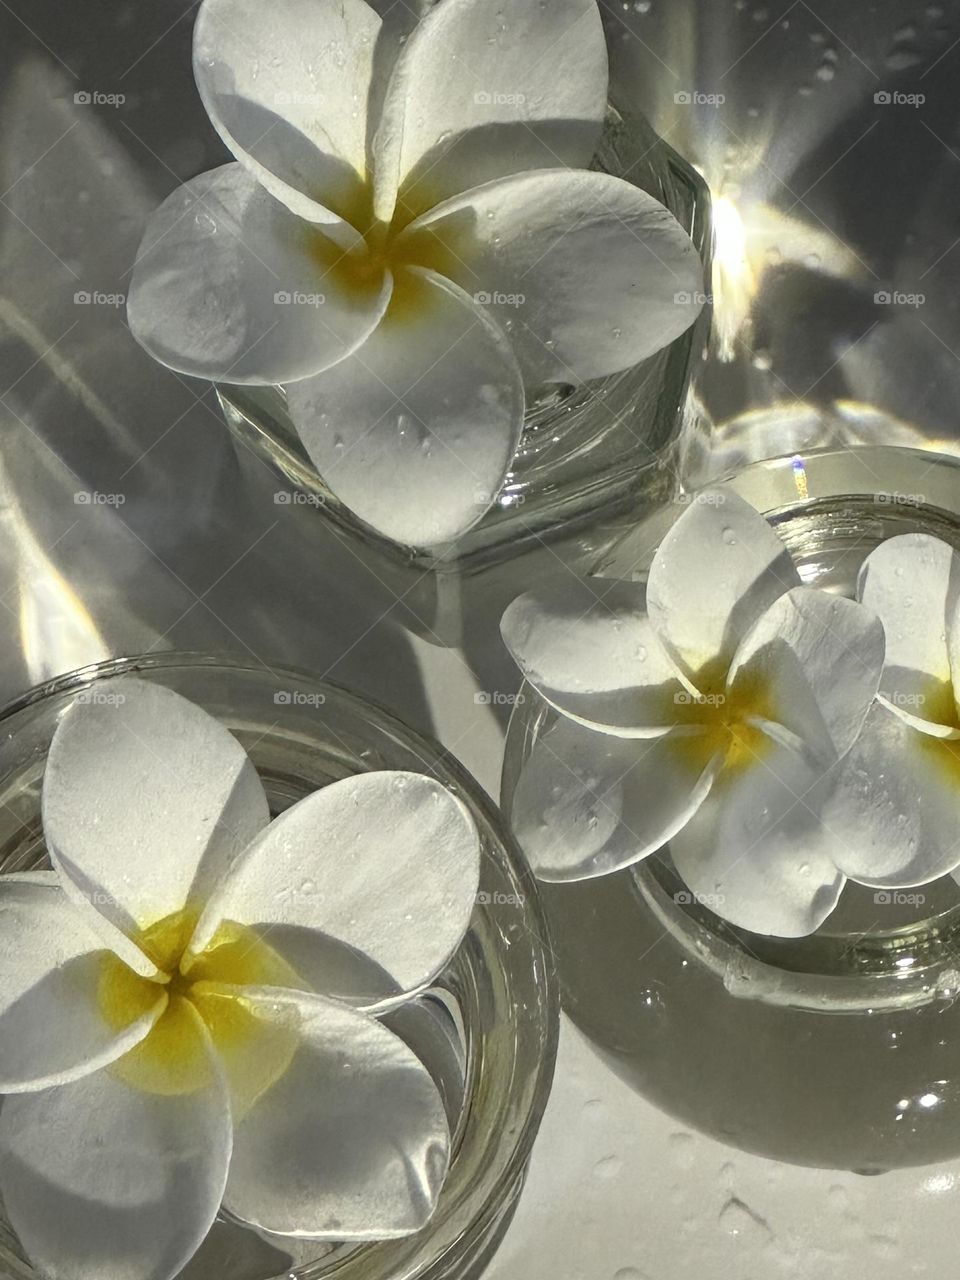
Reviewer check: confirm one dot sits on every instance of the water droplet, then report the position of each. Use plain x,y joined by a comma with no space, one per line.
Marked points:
738,1219
729,537
683,1149
607,1168
903,59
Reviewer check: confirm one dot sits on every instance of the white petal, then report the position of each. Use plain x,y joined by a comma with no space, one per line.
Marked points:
812,664
51,1027
483,90
757,852
147,800
370,881
588,647
590,803
286,86
416,430
351,1143
104,1182
912,582
895,809
229,285
588,274
716,571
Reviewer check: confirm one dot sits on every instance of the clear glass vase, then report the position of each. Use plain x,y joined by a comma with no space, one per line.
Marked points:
488,1028
587,453
840,1050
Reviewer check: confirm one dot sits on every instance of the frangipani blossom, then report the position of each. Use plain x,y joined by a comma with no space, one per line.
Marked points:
897,802
708,709
406,242
189,1000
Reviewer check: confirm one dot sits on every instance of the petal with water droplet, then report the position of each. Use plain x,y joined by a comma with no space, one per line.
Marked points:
482,90
416,430
351,1142
588,647
912,582
758,852
231,286
589,803
52,1029
100,1179
811,663
895,807
592,273
286,85
365,888
147,800
715,572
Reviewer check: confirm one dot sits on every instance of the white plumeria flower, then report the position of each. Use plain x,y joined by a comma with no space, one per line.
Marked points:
708,710
188,1001
897,800
403,242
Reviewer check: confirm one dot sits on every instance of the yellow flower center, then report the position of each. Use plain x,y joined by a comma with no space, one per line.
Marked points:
936,701
727,724
173,1059
357,272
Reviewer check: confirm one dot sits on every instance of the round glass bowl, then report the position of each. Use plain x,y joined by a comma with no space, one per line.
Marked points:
838,1050
488,1028
586,452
